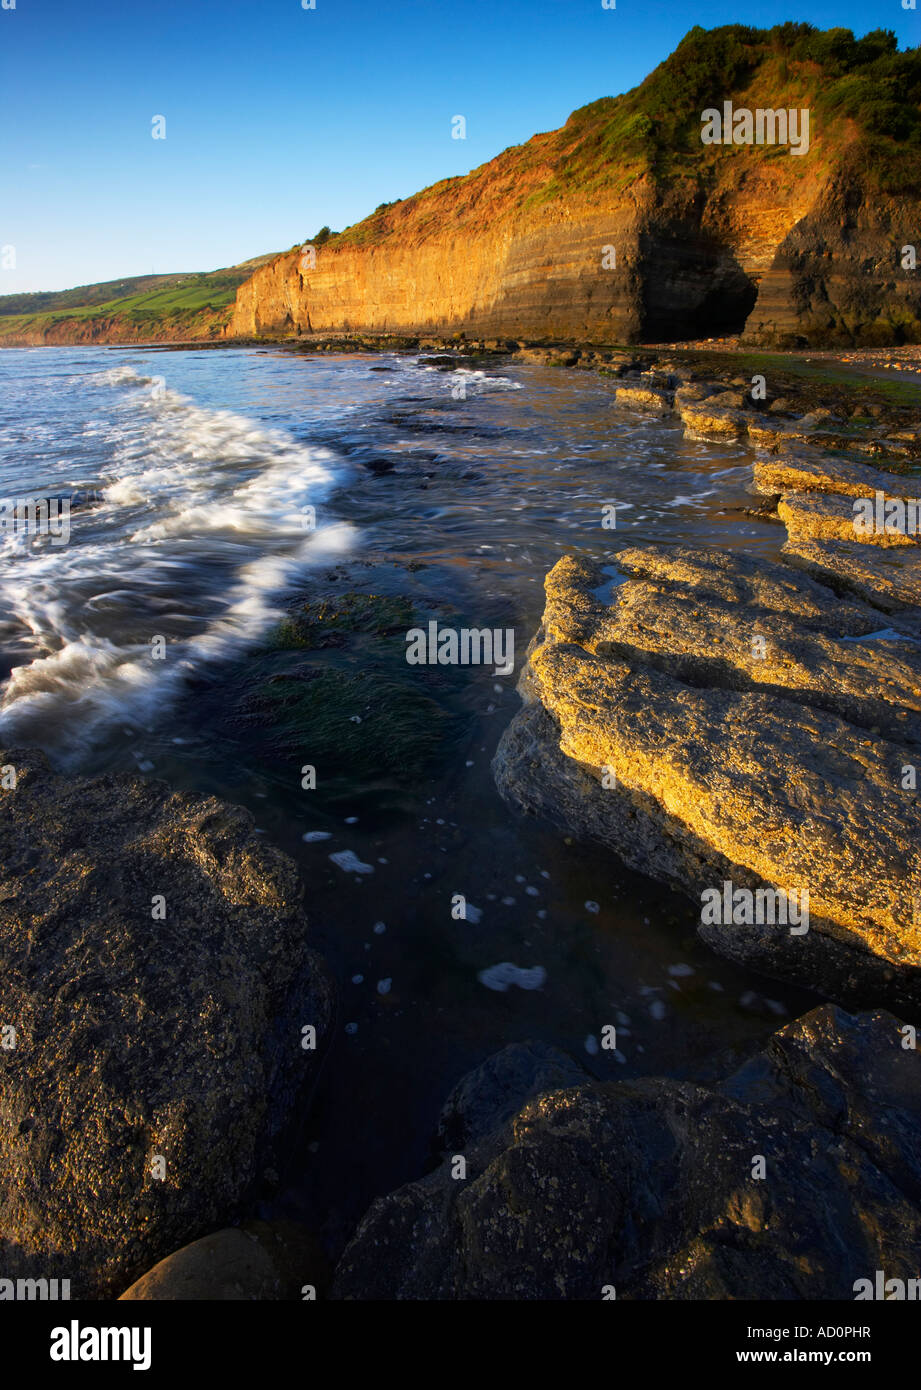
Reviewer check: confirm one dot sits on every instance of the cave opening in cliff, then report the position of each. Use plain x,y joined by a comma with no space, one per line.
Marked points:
695,289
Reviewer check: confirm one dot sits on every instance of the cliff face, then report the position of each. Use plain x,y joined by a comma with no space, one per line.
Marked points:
706,238
683,264
837,276
533,277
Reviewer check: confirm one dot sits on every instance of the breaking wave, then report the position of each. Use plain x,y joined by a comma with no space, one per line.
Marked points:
200,521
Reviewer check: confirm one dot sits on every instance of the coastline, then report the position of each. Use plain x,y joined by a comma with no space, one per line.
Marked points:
647,381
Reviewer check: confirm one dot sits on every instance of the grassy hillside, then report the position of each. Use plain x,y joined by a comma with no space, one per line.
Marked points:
862,93
144,306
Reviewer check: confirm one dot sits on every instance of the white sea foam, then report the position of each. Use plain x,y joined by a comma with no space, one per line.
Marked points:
206,520
501,977
476,381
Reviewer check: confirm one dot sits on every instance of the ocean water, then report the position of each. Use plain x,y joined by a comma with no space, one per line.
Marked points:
212,490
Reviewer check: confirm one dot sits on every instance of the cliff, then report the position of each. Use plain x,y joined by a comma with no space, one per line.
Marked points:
796,246
140,309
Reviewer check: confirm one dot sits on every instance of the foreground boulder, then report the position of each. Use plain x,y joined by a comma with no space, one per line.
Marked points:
155,984
251,1263
728,720
793,1179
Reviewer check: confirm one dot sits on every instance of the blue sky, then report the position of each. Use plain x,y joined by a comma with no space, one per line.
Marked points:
281,119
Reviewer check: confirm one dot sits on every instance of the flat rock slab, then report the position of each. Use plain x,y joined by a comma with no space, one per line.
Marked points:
811,470
726,719
708,420
156,979
769,433
796,640
833,517
647,1186
643,398
887,576
827,533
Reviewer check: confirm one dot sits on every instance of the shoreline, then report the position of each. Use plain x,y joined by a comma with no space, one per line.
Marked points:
902,357
645,388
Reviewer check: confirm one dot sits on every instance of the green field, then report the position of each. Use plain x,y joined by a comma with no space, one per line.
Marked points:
199,302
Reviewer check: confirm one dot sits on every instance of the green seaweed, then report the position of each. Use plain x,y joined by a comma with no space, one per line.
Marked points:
326,622
347,723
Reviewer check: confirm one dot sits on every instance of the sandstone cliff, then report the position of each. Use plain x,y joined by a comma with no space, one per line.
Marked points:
624,226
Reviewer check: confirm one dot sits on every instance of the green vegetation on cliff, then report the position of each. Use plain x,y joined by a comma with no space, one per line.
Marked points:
863,94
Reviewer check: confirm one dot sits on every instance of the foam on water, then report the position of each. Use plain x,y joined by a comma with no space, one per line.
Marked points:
475,380
205,522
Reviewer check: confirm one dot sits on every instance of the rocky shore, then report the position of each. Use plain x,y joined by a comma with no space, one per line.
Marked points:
719,719
793,1178
712,718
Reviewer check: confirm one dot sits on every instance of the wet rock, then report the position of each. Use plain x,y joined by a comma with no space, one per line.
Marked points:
816,494
650,1186
707,420
814,419
643,398
809,470
732,400
157,978
887,576
696,391
831,516
346,723
491,1094
815,428
326,621
660,727
252,1262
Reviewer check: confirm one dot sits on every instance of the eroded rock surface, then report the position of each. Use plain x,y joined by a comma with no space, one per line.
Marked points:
648,1186
811,470
829,516
643,398
839,528
156,976
728,719
887,576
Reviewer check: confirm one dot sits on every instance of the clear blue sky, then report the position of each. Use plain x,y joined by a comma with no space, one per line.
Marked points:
280,119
